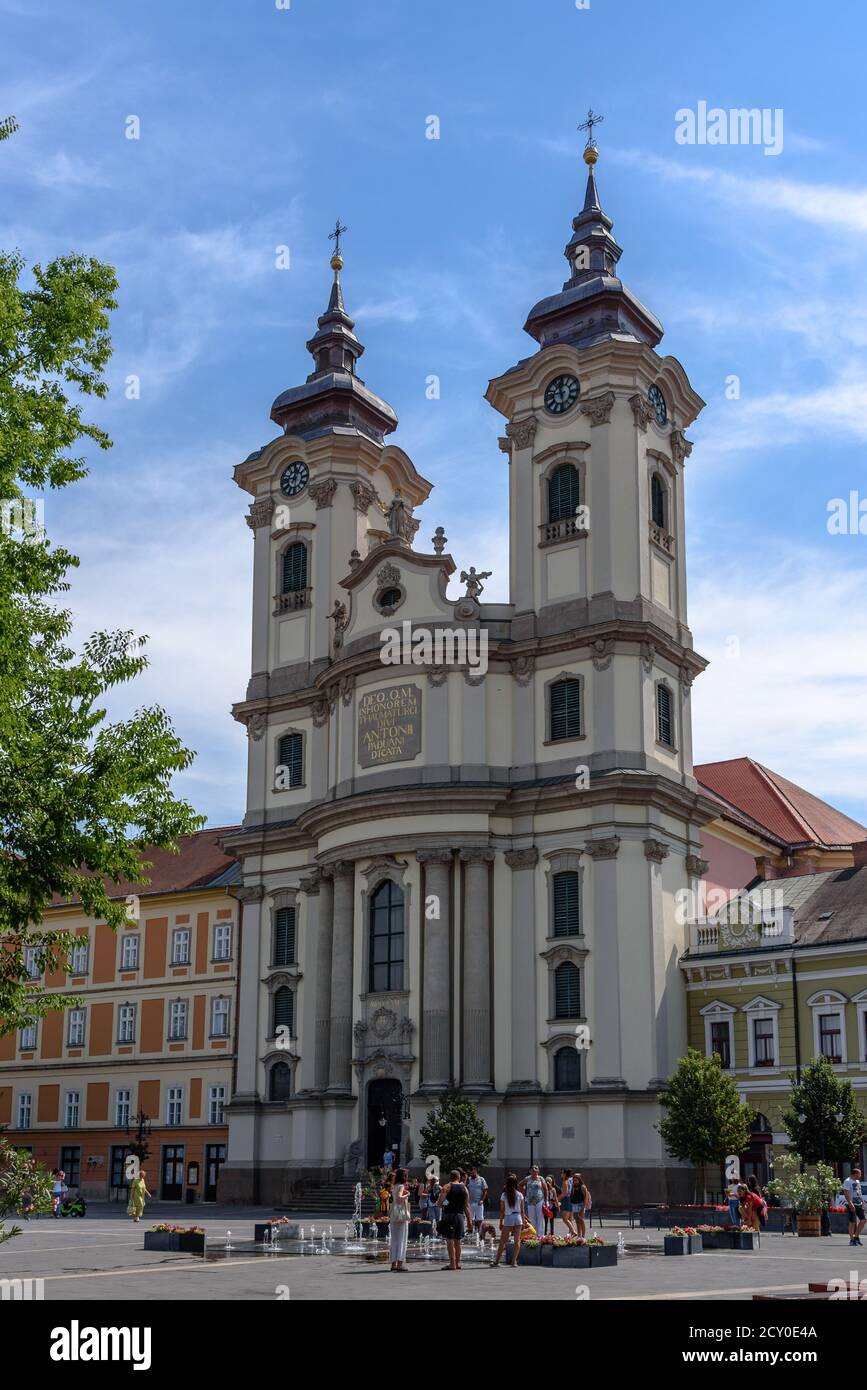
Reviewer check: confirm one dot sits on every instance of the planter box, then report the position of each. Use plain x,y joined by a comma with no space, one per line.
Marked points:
530,1257
158,1240
189,1243
602,1256
743,1240
419,1229
192,1244
288,1230
717,1240
571,1256
809,1224
546,1255
676,1245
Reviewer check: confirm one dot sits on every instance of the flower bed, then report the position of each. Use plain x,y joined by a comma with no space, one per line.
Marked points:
683,1240
567,1252
164,1236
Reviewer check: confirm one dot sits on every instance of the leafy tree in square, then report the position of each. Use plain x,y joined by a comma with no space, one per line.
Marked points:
704,1119
823,1120
455,1135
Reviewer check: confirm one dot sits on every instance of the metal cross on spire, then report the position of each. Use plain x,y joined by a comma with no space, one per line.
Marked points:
592,120
336,235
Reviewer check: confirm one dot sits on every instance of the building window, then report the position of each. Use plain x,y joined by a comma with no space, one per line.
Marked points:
389,599
71,1108
28,1037
290,755
567,991
220,1016
216,1101
181,946
280,1082
70,1163
283,1011
720,1043
565,709
385,970
664,719
126,1023
294,568
78,960
563,492
31,962
122,1106
178,1020
284,936
223,941
129,951
658,500
763,1042
75,1037
174,1105
567,903
24,1111
830,1037
567,1069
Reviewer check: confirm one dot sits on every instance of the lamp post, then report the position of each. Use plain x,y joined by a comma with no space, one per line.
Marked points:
532,1135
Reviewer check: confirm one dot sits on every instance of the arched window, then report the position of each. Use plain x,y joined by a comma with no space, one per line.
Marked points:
290,754
563,492
664,720
567,991
294,568
567,903
280,1081
386,938
283,1010
565,708
389,598
284,936
658,508
567,1069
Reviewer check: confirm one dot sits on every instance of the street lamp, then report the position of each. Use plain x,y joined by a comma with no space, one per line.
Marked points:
532,1135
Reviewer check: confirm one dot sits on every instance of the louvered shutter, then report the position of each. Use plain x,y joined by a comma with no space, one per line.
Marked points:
565,700
284,936
295,568
567,991
567,903
290,756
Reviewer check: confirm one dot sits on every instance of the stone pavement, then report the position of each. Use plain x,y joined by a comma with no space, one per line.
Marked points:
100,1258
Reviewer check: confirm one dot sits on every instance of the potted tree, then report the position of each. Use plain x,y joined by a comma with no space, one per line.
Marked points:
809,1191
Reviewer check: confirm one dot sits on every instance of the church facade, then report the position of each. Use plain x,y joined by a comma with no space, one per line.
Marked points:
464,873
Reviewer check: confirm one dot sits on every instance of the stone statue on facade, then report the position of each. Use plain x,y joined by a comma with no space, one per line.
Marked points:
473,581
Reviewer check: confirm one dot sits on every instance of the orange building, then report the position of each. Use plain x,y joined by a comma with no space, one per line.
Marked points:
153,1034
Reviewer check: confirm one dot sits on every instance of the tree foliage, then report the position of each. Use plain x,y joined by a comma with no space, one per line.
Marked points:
20,1176
704,1118
832,1126
455,1135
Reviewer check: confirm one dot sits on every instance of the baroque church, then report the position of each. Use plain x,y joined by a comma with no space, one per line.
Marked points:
455,878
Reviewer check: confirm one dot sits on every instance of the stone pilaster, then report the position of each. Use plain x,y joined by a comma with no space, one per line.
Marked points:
249,1042
607,1053
523,863
436,1014
476,1067
340,1050
324,936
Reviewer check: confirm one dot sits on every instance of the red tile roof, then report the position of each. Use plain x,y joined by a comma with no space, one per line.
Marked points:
198,862
785,810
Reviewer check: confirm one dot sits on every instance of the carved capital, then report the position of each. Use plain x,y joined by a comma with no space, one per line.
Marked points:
696,867
322,491
250,895
257,723
477,854
605,848
505,444
598,408
657,850
260,513
522,432
603,651
648,655
474,678
522,668
343,868
347,686
437,675
364,496
522,858
642,412
434,856
680,446
687,676
311,885
320,712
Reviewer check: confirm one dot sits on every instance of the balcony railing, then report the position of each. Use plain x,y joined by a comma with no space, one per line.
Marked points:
743,930
664,539
551,532
295,598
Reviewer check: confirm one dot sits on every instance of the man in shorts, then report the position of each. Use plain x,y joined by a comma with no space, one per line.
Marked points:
853,1191
478,1192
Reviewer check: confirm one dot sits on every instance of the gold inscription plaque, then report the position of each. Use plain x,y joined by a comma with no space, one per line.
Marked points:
389,725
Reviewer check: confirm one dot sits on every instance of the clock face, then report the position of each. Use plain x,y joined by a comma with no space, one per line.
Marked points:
561,393
657,400
294,478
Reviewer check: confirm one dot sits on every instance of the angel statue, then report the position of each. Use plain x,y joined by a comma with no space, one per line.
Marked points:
473,581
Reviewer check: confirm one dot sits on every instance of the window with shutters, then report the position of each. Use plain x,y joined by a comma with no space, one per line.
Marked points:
567,991
284,936
283,1010
658,502
567,1069
564,715
563,492
294,568
664,716
567,903
386,938
279,1082
290,755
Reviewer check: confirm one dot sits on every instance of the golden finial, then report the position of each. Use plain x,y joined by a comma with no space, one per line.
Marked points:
336,259
336,262
591,154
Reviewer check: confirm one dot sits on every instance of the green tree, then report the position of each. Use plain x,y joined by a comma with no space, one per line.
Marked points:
704,1119
823,1120
455,1135
20,1176
80,798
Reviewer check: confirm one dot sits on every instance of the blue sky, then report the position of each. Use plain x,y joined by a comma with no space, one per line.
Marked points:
261,125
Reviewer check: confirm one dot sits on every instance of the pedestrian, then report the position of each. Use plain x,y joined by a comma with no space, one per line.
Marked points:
533,1189
511,1220
580,1203
749,1207
454,1204
138,1192
27,1204
552,1205
478,1192
58,1190
734,1201
853,1191
398,1222
388,1160
566,1201
760,1202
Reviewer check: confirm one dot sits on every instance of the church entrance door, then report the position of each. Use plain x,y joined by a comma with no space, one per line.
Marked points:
383,1121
